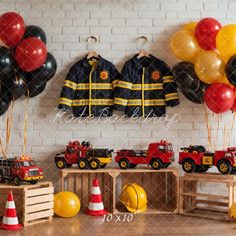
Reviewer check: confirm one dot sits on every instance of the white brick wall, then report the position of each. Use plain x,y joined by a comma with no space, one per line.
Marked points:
117,23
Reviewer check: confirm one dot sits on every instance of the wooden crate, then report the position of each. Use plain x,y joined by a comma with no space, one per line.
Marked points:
34,203
208,204
161,186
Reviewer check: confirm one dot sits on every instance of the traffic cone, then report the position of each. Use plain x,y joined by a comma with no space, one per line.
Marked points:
96,207
10,220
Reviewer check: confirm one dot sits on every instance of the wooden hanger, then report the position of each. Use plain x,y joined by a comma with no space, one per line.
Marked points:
93,55
143,54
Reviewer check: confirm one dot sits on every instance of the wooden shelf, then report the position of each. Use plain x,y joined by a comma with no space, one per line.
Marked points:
161,186
205,205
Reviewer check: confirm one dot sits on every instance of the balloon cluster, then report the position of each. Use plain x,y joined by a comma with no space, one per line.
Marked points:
207,72
25,64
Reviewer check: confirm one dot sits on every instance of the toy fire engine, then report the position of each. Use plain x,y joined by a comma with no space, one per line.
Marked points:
84,156
20,169
197,159
159,155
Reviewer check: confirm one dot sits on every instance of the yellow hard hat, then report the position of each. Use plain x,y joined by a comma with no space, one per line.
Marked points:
233,211
134,197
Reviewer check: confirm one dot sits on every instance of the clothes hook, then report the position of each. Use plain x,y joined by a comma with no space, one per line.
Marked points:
92,39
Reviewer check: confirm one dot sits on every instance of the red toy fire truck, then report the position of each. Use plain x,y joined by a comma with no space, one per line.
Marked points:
83,155
159,155
197,159
20,169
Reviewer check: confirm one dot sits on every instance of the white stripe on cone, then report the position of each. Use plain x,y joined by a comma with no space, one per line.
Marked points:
10,205
95,190
96,206
10,220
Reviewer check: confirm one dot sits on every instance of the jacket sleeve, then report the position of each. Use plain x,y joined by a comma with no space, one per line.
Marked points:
170,87
68,90
122,91
115,77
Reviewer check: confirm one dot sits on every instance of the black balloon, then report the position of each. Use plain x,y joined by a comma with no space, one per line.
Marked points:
197,95
5,101
45,72
14,86
6,61
34,90
230,70
185,76
35,31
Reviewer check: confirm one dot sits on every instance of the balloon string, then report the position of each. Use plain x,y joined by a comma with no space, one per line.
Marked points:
218,128
231,129
2,149
26,123
224,136
208,128
9,125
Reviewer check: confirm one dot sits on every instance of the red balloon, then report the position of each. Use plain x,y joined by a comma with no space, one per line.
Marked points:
219,97
233,108
12,28
206,31
30,54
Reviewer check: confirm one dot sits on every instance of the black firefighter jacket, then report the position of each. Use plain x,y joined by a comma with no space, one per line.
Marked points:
146,87
89,88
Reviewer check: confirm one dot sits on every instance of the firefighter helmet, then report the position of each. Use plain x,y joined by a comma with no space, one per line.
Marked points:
134,198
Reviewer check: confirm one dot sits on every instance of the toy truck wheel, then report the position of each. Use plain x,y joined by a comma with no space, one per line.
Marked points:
133,166
224,167
61,164
2,179
17,181
82,163
124,164
103,165
188,166
156,164
94,164
34,181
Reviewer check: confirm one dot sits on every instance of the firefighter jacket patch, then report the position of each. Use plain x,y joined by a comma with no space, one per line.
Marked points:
88,89
145,88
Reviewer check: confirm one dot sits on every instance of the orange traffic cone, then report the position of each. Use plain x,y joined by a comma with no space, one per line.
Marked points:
10,220
96,207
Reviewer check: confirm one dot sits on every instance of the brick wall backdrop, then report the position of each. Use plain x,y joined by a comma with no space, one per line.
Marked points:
117,24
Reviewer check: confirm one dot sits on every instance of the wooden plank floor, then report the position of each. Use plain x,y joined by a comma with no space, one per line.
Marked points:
141,225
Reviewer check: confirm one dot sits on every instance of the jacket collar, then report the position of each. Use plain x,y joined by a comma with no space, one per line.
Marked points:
85,62
138,63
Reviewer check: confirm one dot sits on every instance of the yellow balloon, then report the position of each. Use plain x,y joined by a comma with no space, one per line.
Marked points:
190,27
226,41
184,46
66,204
209,67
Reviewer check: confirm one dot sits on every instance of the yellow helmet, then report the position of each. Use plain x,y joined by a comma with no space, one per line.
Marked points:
134,198
233,211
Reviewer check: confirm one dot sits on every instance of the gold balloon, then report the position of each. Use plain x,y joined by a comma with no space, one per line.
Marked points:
226,41
184,46
190,27
209,67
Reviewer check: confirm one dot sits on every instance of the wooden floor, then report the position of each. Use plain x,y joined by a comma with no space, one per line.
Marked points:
141,225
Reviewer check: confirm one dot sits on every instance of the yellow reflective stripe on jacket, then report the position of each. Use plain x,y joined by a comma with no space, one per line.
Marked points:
147,87
168,79
121,101
124,84
65,101
70,84
114,83
85,86
171,96
152,102
93,102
